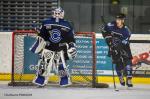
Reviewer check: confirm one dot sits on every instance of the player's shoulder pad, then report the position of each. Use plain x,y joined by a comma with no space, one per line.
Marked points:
110,24
127,28
45,21
66,23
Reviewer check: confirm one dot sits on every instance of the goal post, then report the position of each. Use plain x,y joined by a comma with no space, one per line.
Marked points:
93,37
82,68
17,76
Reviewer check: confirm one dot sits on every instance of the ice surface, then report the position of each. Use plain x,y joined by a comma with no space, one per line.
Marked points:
49,92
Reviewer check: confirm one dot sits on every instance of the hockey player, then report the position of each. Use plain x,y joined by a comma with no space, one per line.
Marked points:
117,36
56,44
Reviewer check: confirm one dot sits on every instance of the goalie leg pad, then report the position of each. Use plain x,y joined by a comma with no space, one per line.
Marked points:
39,80
44,69
63,71
64,76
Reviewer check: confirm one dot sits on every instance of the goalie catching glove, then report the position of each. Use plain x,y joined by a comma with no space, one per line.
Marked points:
71,50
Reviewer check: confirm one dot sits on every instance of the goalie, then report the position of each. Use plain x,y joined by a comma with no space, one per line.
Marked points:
56,44
117,36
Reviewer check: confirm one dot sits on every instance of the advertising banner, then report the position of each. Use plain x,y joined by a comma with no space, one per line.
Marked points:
141,57
83,62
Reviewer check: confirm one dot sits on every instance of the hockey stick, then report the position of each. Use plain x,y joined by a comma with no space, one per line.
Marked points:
113,72
114,82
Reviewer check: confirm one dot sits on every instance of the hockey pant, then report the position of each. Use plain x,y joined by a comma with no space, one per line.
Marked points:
123,62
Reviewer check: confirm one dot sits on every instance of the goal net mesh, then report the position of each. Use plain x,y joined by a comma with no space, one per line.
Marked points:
82,68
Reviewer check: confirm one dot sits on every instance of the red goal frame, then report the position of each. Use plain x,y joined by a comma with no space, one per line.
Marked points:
13,51
88,34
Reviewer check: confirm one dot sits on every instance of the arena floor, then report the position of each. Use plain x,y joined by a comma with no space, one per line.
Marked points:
49,92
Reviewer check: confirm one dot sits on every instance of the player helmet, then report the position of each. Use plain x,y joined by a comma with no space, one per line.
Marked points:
121,16
58,13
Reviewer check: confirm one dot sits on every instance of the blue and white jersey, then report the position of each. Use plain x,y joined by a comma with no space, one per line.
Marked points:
117,37
56,32
111,29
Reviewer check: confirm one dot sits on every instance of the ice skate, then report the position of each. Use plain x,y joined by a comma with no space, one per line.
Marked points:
122,81
129,82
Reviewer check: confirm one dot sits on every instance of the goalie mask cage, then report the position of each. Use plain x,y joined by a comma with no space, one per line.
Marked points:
82,68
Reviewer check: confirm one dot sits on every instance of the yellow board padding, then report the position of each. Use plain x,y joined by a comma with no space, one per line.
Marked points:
54,78
4,77
100,79
135,80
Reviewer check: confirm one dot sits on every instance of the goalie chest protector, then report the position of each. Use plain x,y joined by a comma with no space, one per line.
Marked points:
56,32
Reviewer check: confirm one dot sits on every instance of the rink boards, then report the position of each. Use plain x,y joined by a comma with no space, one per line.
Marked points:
140,44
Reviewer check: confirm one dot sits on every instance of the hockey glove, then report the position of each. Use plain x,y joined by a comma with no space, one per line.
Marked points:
125,41
71,50
108,40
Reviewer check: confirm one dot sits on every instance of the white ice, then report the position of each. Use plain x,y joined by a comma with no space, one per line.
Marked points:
51,92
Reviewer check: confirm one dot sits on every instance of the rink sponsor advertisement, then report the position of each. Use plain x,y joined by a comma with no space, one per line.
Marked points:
30,59
82,64
141,58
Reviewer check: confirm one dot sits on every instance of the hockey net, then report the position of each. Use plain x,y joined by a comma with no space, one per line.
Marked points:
82,68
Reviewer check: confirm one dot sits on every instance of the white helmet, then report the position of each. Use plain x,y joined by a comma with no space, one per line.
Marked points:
58,13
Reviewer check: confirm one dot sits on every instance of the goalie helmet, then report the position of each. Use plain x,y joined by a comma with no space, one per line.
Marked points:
58,13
